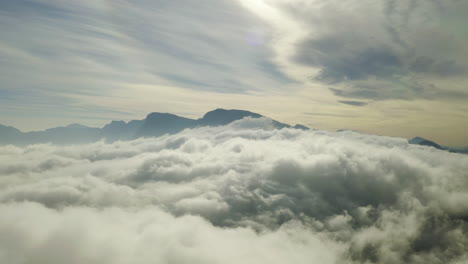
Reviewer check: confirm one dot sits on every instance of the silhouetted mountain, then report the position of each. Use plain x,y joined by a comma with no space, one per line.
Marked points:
424,142
154,125
71,134
459,150
10,135
299,126
221,117
158,124
8,130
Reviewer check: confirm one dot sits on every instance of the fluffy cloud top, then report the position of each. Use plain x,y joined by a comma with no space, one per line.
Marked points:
242,193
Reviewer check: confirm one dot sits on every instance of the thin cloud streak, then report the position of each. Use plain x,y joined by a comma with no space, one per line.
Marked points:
353,103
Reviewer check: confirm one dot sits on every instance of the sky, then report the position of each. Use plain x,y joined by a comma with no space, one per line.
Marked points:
387,67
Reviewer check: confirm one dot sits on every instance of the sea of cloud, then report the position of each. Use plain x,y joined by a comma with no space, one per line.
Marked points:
242,193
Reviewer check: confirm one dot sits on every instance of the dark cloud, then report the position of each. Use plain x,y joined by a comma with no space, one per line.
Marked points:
377,74
381,90
254,193
354,103
445,68
394,44
379,63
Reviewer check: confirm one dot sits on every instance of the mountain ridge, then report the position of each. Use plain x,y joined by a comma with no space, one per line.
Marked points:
426,142
155,124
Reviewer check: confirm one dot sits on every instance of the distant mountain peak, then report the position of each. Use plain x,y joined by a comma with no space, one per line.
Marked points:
76,126
115,125
9,129
155,124
299,126
416,140
424,142
222,110
219,117
160,115
115,122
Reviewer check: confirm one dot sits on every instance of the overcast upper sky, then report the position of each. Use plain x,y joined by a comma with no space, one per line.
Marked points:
391,67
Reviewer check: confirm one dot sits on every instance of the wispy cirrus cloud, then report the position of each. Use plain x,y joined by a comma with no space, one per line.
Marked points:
353,103
70,50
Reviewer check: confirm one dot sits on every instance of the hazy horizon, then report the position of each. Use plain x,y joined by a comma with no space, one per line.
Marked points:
198,117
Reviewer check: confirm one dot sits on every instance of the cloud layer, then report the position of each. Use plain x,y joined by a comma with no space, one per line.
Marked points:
242,193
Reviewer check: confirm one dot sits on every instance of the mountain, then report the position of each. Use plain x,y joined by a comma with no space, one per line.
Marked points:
71,134
424,142
221,117
158,124
459,150
10,135
299,126
154,125
120,130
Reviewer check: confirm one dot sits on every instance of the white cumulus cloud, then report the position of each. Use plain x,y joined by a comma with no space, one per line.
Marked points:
242,193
